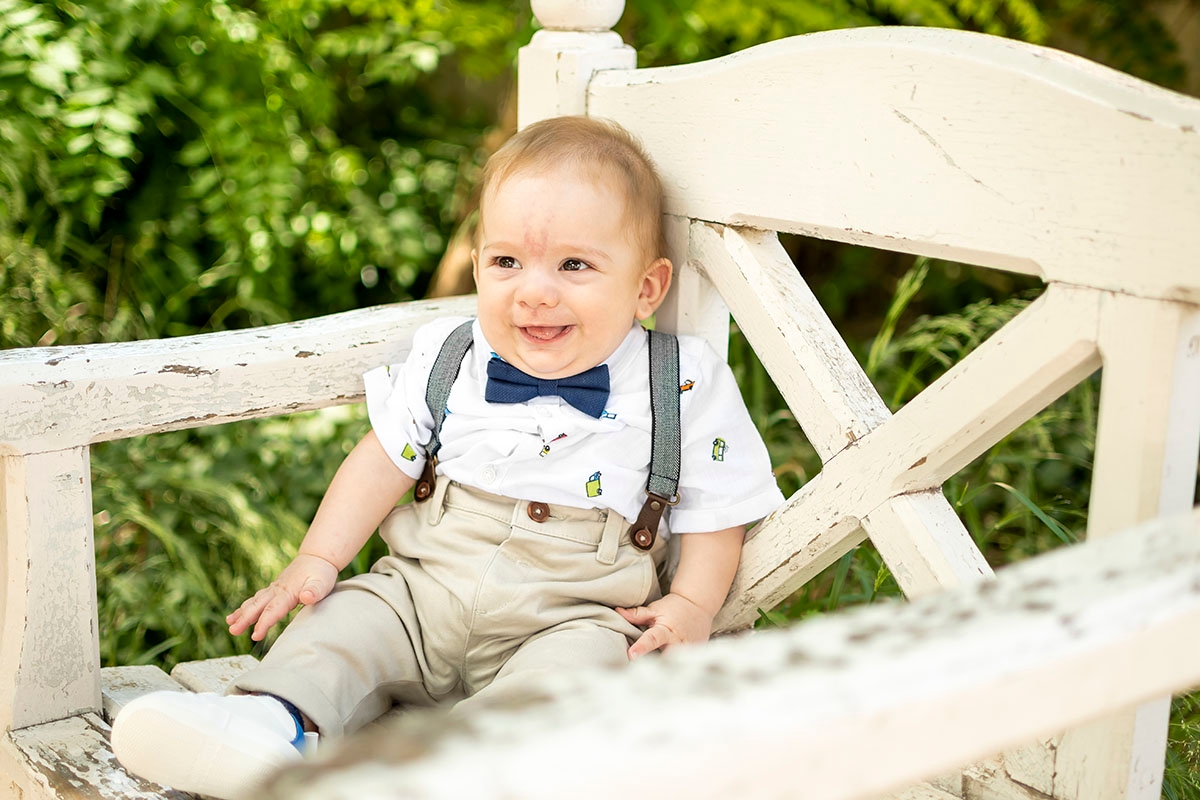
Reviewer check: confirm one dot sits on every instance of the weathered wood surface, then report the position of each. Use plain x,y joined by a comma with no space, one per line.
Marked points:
1045,350
71,758
919,536
1147,443
946,143
921,793
59,397
855,704
213,674
120,685
49,641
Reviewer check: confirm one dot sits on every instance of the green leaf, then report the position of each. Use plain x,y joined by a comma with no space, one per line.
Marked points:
64,56
96,96
117,120
47,76
83,118
1062,533
80,143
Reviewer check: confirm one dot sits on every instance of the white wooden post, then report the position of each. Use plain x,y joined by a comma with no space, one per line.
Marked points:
49,644
1146,450
554,69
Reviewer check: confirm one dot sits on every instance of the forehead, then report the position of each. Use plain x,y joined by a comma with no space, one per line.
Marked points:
511,195
595,177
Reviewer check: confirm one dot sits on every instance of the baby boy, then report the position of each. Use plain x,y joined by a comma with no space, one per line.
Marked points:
533,436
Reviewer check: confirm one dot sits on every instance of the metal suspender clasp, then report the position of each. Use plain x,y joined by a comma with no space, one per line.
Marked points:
425,483
645,529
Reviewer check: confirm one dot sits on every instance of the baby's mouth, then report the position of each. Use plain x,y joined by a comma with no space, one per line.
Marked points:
545,333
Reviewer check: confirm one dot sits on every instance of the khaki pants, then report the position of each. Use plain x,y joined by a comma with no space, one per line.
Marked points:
480,595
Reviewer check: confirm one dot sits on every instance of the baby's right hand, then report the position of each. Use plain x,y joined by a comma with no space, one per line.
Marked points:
308,579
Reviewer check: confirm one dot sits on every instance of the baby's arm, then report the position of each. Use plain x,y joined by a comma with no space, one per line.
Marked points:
707,563
365,488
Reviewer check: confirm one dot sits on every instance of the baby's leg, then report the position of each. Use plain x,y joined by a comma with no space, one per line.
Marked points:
340,662
346,660
562,650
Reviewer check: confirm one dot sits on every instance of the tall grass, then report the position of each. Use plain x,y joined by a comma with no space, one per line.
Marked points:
190,523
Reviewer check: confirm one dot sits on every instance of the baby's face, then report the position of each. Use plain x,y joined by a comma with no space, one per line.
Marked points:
560,275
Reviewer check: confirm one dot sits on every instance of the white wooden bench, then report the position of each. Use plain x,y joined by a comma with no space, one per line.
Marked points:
942,143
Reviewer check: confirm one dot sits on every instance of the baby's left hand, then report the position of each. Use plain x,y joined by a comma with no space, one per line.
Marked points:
669,621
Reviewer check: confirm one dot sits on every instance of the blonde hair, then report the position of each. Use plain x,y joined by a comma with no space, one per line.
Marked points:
604,151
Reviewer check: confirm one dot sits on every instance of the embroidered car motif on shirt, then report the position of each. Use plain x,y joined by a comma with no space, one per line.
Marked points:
546,445
719,448
408,453
593,485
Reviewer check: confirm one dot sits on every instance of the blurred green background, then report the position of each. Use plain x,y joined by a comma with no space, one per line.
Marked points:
172,167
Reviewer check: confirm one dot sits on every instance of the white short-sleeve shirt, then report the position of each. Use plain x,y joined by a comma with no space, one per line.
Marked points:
546,450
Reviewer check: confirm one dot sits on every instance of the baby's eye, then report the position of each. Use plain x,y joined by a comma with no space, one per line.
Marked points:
506,262
574,265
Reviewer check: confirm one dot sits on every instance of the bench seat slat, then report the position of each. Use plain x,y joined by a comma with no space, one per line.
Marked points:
213,674
121,685
71,759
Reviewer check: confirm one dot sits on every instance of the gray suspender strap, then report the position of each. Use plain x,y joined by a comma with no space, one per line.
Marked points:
437,391
665,433
665,439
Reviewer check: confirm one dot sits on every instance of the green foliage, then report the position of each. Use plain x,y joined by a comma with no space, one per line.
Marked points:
190,523
216,165
174,166
1181,779
675,31
1120,34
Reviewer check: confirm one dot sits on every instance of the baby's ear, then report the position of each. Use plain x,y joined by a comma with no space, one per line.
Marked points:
655,283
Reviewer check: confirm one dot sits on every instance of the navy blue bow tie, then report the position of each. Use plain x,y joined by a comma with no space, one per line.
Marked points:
587,391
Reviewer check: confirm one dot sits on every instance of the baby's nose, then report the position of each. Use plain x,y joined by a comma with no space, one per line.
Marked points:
538,288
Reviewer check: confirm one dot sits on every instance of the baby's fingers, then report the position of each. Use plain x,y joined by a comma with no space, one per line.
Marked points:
642,615
654,638
279,607
248,612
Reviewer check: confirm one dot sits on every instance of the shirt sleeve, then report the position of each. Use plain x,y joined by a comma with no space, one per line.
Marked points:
396,399
725,475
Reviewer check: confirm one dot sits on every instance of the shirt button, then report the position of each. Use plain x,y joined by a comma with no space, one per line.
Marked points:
538,512
487,474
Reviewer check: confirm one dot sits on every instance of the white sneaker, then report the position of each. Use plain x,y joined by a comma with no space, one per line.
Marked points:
217,745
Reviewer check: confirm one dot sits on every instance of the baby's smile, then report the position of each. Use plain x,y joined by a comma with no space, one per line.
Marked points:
545,333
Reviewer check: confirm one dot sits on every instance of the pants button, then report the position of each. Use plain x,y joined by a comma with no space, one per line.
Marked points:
538,512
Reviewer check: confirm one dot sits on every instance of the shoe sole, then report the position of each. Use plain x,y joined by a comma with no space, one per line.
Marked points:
197,749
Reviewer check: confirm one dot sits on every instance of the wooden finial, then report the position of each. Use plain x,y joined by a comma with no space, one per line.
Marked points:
578,15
